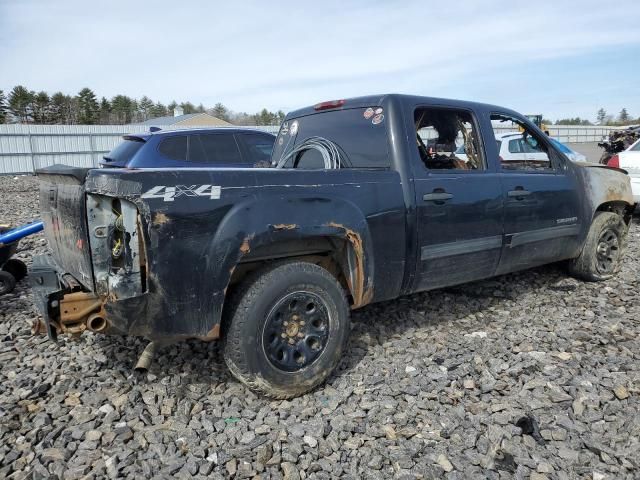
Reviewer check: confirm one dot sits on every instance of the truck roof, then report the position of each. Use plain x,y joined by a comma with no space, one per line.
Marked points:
382,99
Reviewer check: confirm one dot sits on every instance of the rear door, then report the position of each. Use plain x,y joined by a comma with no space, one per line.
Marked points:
542,207
458,200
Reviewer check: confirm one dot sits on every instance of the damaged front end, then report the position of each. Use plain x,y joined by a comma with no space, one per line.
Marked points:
99,258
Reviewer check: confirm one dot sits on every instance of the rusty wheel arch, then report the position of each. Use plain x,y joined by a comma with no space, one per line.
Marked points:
342,256
617,206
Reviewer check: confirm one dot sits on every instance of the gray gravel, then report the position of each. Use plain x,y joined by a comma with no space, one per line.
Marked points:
532,375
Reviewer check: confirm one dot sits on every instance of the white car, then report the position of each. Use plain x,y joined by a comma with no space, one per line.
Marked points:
629,160
513,147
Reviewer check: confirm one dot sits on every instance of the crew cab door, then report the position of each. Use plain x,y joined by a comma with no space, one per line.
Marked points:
541,203
458,200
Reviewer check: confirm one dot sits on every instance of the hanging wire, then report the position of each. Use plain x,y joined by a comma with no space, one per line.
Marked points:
329,151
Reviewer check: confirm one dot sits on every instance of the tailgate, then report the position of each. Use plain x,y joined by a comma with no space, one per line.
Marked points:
63,210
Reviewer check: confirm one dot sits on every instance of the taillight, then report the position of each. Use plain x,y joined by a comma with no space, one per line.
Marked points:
614,161
329,104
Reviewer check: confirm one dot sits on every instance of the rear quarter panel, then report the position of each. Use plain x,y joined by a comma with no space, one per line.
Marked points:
194,242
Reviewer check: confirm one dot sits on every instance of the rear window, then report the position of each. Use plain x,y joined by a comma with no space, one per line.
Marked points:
174,148
124,152
214,148
636,147
359,135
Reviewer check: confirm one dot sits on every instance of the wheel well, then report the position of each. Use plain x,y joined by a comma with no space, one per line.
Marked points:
621,208
329,253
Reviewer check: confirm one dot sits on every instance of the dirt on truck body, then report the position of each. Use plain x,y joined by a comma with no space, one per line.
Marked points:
366,200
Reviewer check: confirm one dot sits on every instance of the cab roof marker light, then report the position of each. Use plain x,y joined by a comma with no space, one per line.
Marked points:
328,105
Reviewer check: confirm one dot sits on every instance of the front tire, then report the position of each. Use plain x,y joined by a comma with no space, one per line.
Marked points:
602,250
286,333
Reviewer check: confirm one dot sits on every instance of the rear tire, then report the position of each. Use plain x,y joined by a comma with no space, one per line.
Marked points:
7,282
602,250
286,329
15,267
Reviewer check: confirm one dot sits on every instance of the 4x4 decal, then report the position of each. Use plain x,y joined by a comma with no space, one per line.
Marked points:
169,194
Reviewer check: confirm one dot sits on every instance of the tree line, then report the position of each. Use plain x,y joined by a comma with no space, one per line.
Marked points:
21,105
602,118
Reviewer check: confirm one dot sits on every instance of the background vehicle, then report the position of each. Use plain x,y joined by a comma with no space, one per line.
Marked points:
357,210
618,141
192,148
629,160
568,152
512,146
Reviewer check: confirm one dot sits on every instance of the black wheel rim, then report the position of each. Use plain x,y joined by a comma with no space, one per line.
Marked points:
296,331
607,251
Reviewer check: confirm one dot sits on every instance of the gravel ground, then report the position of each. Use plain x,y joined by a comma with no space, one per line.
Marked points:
530,375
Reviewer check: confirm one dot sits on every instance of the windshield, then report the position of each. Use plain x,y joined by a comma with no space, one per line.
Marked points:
122,154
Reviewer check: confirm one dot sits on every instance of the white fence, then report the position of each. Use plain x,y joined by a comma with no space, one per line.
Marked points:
24,148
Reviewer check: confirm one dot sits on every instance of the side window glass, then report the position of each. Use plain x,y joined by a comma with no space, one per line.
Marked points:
220,148
515,146
258,147
525,149
447,139
174,148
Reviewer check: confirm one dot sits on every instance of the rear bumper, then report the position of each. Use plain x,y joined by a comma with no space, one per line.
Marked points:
69,308
65,307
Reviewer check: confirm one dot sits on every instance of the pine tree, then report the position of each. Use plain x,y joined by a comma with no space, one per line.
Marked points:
145,107
624,116
42,108
158,110
220,111
122,107
171,107
601,116
188,107
61,108
3,107
87,107
21,104
105,112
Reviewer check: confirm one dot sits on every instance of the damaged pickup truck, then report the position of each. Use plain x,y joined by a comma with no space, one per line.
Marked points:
366,200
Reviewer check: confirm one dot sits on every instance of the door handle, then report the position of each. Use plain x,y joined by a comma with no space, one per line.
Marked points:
437,197
518,193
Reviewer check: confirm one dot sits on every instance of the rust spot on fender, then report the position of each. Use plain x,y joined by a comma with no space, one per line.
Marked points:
285,226
213,334
160,218
245,247
356,278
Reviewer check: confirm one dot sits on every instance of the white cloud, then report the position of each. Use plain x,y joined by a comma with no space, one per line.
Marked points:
284,54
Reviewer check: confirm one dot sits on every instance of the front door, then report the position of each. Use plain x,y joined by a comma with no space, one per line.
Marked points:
459,202
541,203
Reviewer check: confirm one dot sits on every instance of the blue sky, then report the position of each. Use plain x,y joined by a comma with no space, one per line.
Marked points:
556,58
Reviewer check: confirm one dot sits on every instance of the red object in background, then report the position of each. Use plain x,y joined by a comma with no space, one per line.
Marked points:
614,161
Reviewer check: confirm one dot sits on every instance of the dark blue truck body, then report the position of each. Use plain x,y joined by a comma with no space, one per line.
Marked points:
386,229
